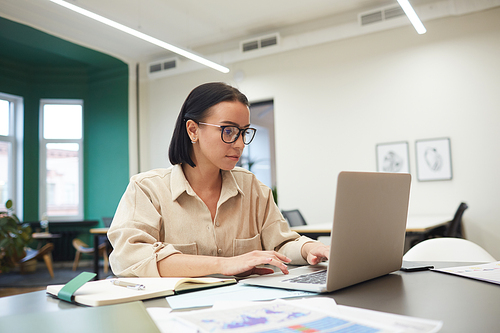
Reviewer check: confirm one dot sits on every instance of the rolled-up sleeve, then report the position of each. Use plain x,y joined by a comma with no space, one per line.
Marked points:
136,235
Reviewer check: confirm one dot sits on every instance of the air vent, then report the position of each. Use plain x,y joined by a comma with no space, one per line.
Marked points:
380,15
259,42
270,41
170,64
162,65
393,12
154,68
249,46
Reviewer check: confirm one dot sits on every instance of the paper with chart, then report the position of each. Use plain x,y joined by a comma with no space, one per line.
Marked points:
294,316
489,272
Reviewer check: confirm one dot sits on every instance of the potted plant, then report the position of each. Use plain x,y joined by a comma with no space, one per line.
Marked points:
14,236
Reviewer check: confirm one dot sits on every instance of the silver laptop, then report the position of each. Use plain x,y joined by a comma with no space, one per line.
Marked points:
367,238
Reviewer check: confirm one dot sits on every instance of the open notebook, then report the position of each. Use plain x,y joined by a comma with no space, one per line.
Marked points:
106,292
367,238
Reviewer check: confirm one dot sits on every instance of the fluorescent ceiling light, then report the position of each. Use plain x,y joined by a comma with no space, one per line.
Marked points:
412,16
143,36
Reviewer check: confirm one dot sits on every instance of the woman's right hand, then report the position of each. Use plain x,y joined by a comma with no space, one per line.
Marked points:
246,264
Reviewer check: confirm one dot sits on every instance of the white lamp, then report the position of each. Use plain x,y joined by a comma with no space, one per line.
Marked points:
412,16
143,36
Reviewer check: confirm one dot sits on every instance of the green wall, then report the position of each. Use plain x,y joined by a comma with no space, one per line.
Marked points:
36,65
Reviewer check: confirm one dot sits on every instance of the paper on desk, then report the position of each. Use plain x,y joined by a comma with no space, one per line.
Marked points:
160,317
241,292
317,313
326,304
489,272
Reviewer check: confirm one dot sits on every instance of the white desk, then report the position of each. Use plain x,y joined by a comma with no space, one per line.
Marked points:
415,224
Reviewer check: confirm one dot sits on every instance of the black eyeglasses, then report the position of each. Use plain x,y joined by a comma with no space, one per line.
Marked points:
230,134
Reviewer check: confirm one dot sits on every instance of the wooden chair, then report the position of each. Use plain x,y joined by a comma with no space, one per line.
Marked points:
81,247
44,252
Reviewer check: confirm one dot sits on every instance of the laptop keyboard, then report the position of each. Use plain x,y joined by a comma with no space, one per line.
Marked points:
311,278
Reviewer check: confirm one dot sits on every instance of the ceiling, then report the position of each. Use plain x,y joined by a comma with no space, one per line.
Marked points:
206,27
203,26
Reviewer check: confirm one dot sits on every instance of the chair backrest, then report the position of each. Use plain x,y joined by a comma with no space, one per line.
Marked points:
455,227
79,245
107,221
294,217
448,249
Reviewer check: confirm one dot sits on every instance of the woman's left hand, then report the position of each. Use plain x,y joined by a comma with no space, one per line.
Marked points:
315,252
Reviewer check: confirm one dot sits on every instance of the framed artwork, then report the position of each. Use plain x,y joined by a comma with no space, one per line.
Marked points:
433,159
393,157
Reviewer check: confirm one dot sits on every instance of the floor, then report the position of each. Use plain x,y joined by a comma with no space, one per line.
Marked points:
10,291
16,291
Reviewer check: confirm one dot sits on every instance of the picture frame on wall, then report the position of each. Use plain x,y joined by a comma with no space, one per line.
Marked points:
393,157
433,158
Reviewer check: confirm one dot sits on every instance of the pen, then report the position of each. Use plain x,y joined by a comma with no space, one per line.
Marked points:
128,285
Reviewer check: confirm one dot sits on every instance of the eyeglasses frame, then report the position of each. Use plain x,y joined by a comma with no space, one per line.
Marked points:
222,127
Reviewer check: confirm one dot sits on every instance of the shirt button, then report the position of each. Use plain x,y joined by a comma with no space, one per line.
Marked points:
219,251
217,224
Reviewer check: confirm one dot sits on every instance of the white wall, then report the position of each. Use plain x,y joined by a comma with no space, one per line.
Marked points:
335,102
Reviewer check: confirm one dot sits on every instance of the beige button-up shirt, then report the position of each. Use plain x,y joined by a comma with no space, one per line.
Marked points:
160,215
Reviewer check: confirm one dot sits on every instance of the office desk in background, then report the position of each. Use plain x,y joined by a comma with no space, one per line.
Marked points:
44,237
464,305
415,224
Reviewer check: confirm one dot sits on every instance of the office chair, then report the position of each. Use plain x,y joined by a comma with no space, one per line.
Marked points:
448,249
455,228
107,221
293,217
452,229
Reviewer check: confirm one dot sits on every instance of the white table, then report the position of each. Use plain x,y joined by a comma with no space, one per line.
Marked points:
415,223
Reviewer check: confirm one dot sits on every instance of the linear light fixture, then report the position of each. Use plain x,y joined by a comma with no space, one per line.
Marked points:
412,16
143,36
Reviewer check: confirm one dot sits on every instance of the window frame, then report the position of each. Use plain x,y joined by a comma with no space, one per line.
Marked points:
15,138
43,163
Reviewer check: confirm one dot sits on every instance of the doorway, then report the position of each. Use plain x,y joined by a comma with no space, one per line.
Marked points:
259,156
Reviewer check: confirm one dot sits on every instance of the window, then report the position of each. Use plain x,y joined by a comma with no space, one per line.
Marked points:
10,151
61,159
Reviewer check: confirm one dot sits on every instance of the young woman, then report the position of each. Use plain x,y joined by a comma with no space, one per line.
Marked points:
203,215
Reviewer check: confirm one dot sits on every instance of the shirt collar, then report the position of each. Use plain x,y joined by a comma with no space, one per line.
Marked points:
179,184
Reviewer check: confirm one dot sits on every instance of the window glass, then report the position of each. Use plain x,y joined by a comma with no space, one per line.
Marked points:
4,117
62,179
5,152
62,121
61,159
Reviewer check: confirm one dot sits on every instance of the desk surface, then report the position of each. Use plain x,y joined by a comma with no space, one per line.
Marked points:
415,223
100,231
45,235
464,305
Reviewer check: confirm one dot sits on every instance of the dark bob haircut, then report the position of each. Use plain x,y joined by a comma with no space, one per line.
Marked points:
197,107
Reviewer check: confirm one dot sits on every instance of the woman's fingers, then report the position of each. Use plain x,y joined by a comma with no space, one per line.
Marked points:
247,263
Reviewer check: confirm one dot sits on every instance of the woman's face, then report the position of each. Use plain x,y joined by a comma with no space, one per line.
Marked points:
209,149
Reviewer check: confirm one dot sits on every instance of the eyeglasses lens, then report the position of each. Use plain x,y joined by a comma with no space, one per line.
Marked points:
230,134
248,135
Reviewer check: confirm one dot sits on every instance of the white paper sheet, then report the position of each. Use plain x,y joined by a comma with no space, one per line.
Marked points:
485,272
318,313
240,292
